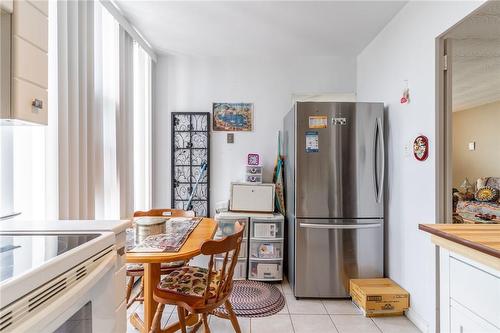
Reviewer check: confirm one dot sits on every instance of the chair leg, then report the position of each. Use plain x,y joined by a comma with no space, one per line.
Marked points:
195,328
232,316
205,323
139,296
182,319
130,285
155,327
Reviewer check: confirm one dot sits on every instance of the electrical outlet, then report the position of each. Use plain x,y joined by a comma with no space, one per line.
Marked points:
230,138
472,145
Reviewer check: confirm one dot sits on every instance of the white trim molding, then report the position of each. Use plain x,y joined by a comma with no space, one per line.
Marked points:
127,26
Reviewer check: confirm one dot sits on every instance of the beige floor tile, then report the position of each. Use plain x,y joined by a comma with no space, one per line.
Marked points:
284,310
304,306
220,325
341,307
313,324
354,324
167,311
287,290
399,324
272,324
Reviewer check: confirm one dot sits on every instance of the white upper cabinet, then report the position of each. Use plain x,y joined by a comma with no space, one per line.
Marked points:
29,61
7,5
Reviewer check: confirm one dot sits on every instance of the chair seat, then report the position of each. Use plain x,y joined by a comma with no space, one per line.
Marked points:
189,281
164,265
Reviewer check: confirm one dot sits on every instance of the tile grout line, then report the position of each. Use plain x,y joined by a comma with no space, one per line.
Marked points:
373,321
291,321
331,319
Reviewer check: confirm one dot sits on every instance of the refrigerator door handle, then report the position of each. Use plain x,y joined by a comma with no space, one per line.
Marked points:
379,141
340,226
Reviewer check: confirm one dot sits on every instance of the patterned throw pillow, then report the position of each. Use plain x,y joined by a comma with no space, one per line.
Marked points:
486,193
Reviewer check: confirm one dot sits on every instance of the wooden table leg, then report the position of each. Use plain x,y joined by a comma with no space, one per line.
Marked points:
151,279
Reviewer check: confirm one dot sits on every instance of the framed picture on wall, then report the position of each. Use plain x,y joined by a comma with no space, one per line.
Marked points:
232,117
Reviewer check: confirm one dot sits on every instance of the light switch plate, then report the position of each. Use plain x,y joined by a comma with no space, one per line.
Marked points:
407,150
230,137
472,145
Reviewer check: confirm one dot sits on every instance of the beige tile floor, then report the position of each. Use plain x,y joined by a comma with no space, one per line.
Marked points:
303,316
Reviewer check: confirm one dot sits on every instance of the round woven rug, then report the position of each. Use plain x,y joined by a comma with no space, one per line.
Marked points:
255,299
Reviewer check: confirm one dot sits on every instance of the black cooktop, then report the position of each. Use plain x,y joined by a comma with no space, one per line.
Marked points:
22,252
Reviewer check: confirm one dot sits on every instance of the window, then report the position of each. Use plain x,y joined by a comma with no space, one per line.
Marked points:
108,30
30,156
142,129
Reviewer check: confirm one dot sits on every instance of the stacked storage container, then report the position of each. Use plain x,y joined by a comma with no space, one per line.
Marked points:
254,174
266,248
226,224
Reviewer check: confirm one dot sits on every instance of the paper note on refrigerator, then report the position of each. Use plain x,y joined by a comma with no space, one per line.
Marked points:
312,142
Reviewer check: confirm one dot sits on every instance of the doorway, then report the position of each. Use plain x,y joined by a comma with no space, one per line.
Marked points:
468,114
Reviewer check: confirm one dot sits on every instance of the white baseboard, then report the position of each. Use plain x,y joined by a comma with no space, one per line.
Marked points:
418,321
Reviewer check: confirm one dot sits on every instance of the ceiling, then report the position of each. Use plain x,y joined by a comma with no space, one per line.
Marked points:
476,59
239,28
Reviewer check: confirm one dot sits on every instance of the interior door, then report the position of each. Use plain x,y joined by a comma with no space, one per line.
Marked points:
339,160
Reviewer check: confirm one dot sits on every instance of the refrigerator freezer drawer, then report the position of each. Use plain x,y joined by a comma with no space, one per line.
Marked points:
247,197
329,253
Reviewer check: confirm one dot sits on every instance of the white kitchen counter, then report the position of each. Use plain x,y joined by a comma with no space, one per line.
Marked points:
15,225
117,227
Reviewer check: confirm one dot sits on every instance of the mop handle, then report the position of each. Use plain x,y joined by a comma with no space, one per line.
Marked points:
203,168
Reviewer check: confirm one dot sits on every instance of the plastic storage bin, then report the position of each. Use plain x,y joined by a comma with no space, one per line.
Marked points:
254,178
266,249
243,251
240,270
267,228
254,170
227,225
266,270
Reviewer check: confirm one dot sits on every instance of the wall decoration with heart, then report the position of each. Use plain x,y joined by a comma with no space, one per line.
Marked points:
421,148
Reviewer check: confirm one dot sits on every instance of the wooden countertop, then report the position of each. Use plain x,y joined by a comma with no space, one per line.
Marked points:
484,238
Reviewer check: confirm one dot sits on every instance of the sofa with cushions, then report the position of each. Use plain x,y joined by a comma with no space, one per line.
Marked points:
475,207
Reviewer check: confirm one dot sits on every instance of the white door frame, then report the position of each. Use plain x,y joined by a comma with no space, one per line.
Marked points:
444,147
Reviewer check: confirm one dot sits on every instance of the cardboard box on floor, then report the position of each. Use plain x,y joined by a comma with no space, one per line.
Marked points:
379,297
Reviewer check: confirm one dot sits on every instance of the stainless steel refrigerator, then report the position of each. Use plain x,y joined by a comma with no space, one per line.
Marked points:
334,187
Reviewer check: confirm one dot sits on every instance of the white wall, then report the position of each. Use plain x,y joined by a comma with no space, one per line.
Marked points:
405,50
186,83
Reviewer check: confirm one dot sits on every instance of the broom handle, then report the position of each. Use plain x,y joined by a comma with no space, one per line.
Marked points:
203,168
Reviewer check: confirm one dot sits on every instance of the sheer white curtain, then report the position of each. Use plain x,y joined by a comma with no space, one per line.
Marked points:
142,129
79,113
125,126
95,97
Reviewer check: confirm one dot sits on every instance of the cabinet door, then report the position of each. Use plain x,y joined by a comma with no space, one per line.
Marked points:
30,61
464,321
252,198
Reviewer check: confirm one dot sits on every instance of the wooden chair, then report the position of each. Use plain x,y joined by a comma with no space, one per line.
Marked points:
137,270
202,291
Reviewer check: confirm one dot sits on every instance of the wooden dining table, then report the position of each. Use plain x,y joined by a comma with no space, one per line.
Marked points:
205,230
